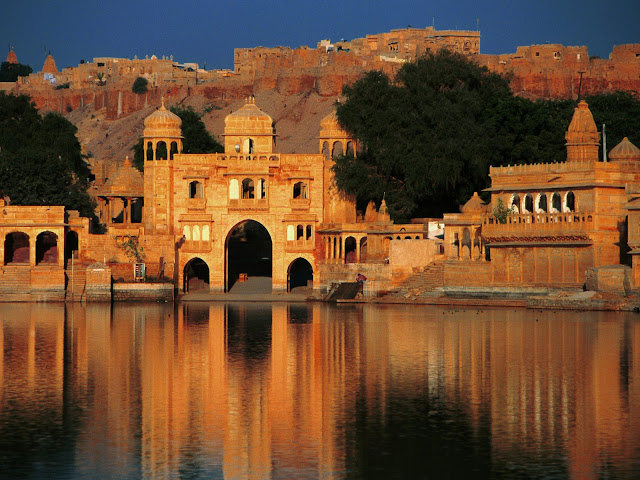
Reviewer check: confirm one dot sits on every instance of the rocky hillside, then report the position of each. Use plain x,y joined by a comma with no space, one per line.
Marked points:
297,118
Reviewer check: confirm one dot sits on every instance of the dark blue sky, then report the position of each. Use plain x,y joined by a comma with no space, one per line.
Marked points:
207,31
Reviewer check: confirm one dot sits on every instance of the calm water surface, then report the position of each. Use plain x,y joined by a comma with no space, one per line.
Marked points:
260,391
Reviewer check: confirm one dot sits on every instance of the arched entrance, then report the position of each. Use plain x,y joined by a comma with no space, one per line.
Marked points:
196,275
299,273
248,251
46,248
16,248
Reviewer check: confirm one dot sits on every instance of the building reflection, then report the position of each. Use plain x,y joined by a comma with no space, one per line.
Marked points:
244,391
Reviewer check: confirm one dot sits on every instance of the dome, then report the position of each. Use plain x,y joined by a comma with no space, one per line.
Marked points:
248,120
624,151
163,123
49,65
330,127
474,205
127,182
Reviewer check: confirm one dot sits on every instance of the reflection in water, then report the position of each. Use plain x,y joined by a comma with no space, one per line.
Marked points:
253,391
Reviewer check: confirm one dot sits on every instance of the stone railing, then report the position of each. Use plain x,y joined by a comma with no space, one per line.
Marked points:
538,223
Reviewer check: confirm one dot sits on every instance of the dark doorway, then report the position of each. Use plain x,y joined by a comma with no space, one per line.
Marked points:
47,248
16,248
300,272
196,275
249,258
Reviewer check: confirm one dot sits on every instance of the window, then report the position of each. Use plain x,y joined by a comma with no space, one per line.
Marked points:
300,190
196,190
247,189
234,192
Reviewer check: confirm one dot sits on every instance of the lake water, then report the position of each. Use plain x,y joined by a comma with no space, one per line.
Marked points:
317,391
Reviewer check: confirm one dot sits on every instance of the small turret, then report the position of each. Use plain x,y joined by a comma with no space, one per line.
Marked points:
583,138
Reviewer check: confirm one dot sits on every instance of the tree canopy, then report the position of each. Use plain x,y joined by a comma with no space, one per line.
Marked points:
429,135
40,158
9,72
140,85
196,137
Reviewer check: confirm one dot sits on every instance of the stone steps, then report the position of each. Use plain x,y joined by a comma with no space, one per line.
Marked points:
15,281
421,283
76,280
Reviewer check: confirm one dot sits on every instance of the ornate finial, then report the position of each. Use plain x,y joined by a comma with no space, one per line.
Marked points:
162,101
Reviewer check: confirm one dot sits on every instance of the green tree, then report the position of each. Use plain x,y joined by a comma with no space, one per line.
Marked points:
196,138
140,86
9,72
428,136
40,158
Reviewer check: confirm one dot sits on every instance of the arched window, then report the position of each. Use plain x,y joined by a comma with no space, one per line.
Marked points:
291,234
205,233
262,188
515,203
300,190
325,150
161,151
174,149
350,150
247,189
299,232
569,202
556,203
337,150
527,206
186,233
196,190
149,151
309,232
541,203
196,233
247,146
234,193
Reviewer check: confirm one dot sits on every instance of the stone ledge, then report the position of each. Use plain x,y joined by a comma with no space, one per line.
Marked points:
154,292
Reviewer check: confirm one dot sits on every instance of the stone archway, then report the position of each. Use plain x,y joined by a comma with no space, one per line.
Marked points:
299,273
248,254
196,275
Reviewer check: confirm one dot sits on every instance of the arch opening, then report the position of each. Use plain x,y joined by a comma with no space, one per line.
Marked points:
350,250
196,275
47,248
300,275
249,259
16,248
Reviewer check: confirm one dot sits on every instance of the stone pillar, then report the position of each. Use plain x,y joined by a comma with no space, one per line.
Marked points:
358,250
33,239
472,232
